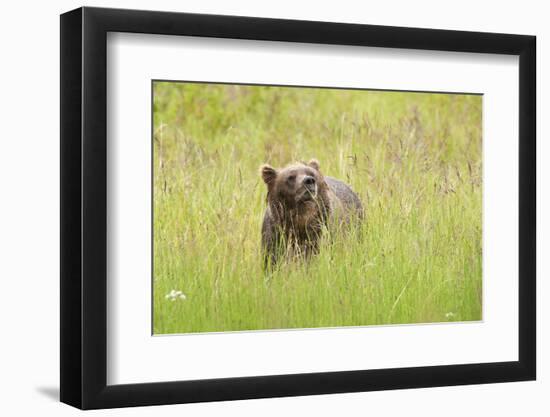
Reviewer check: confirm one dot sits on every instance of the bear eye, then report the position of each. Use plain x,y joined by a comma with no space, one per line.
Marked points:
291,178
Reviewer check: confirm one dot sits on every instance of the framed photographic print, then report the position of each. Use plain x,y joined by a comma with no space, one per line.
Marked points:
257,208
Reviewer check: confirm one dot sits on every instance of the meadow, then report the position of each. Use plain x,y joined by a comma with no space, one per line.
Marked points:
415,160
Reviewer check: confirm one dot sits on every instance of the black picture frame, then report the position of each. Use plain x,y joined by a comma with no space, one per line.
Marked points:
84,207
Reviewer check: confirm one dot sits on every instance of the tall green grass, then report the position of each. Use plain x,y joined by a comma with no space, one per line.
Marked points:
413,158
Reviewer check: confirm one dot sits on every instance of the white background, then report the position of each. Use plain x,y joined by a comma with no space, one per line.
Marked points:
133,60
29,218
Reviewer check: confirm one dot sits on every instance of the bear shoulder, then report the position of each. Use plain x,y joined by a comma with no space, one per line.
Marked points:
344,194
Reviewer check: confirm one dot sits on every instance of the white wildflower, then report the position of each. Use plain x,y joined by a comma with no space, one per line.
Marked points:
175,295
449,315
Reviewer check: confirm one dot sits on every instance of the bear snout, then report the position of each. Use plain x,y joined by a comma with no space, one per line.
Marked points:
309,181
309,192
310,187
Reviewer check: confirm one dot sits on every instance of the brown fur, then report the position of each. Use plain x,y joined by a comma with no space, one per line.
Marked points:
300,202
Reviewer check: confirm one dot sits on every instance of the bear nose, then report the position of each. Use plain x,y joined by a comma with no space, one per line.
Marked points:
308,180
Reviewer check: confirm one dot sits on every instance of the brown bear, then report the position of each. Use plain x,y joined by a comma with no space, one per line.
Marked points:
300,202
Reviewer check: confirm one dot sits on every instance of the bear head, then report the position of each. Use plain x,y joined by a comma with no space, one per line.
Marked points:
299,189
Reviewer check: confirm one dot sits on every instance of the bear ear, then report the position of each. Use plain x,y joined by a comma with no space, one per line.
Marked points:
268,173
314,163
